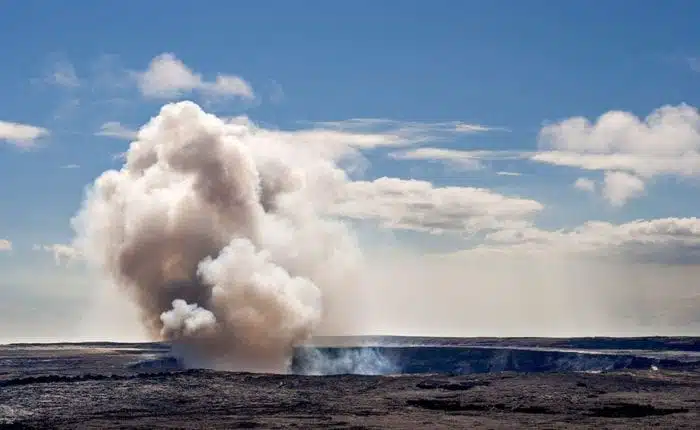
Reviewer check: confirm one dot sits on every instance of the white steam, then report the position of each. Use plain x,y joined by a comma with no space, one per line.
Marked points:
214,228
186,319
339,361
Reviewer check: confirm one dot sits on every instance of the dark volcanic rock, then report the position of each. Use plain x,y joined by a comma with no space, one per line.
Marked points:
451,385
206,399
632,410
488,384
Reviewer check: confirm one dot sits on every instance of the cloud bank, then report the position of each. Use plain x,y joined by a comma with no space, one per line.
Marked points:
420,206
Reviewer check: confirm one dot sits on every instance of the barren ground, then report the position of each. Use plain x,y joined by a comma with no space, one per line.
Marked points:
206,399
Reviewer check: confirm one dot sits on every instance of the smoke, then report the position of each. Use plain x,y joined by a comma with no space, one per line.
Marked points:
339,361
214,229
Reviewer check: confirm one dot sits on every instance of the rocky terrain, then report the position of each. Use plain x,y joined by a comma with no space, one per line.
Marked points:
499,386
205,399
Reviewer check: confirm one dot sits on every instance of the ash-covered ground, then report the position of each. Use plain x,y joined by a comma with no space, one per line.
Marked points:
417,383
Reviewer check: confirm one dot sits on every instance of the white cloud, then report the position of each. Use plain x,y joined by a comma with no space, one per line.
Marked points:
228,85
664,240
418,205
476,128
116,130
343,138
666,142
168,77
70,166
5,245
336,145
21,135
585,184
667,131
630,150
646,166
408,132
619,187
460,159
466,160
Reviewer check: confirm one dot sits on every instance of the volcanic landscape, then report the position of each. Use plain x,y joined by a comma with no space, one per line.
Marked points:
362,383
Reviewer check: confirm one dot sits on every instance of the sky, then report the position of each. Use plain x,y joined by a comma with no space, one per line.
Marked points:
546,153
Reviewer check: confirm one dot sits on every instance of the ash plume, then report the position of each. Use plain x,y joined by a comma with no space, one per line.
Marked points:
215,229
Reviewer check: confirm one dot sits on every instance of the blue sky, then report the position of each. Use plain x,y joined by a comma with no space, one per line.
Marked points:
510,67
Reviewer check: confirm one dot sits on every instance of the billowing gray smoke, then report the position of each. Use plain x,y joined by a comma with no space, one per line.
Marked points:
215,228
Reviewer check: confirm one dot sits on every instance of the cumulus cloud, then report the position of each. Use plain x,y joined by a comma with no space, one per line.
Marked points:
619,187
21,135
630,149
585,184
420,206
168,77
116,130
5,245
668,131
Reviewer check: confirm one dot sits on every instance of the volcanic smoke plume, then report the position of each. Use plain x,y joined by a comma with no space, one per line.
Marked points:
215,228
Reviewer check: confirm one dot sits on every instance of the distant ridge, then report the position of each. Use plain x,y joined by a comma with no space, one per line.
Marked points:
103,344
651,343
